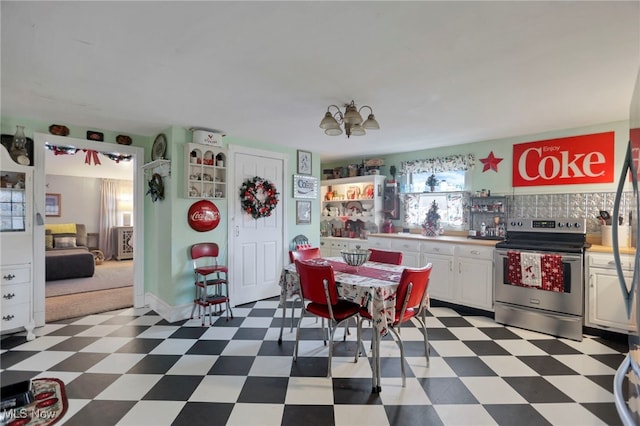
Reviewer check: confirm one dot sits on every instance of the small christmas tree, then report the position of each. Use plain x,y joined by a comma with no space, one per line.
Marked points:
431,224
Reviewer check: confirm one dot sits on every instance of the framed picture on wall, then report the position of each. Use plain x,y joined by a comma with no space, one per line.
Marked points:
303,212
52,205
305,186
304,162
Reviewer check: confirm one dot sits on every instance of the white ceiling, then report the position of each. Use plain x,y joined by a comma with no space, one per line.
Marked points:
435,73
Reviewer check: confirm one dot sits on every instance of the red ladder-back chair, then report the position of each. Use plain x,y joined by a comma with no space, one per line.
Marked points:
212,287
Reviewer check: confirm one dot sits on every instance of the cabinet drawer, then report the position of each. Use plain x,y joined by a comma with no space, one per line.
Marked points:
339,245
405,245
607,261
380,243
16,275
475,252
15,316
14,295
438,248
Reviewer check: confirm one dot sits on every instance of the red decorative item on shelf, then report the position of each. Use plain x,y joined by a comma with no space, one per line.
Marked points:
203,216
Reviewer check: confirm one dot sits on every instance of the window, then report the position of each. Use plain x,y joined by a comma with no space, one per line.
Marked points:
447,194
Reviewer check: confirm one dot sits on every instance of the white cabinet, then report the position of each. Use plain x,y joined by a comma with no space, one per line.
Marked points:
441,280
605,307
474,276
410,251
331,247
16,298
351,206
205,171
124,242
16,240
461,273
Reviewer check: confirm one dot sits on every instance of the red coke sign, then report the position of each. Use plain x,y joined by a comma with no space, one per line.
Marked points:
203,216
565,161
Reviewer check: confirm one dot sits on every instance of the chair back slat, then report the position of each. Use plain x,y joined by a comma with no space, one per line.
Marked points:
384,256
310,253
204,250
419,280
312,279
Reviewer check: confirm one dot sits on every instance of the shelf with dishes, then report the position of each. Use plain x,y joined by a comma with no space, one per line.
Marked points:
205,171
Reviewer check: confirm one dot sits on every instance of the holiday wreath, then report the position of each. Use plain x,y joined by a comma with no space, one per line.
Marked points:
258,197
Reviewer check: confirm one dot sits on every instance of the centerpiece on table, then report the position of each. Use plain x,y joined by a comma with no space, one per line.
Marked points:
431,224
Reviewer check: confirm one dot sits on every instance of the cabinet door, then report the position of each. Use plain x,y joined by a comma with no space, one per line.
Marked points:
325,247
606,308
474,279
441,278
410,251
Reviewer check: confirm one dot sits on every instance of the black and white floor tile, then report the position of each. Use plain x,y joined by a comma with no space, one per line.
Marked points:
130,367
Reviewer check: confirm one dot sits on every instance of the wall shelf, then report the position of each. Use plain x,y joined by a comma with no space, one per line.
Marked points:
162,167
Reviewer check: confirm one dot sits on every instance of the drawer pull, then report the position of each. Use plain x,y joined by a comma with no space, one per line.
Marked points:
436,249
8,317
475,252
8,277
9,296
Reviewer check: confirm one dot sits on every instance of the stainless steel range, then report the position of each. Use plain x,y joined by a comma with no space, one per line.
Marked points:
539,276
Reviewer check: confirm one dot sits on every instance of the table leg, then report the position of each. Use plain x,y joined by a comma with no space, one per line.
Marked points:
283,300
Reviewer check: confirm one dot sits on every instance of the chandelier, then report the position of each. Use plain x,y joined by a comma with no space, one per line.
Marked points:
350,119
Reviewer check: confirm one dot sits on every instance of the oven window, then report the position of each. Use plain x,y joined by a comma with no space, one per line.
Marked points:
552,277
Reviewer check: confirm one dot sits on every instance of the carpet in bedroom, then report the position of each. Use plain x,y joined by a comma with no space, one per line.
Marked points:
111,287
111,274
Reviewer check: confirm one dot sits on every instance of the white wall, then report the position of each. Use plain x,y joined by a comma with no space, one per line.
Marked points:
79,198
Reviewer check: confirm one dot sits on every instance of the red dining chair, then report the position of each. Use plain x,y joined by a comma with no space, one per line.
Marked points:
411,302
318,288
302,254
212,287
383,256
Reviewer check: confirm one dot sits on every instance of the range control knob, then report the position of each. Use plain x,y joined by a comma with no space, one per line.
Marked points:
577,225
568,225
513,223
560,225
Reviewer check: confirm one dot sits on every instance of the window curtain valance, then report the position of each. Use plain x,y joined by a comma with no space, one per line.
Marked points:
438,164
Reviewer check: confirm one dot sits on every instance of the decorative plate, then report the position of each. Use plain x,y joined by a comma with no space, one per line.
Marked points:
159,147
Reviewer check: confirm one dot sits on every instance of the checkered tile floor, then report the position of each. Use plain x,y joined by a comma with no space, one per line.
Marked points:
130,367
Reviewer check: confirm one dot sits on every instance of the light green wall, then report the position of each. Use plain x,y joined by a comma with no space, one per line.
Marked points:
182,236
500,182
167,234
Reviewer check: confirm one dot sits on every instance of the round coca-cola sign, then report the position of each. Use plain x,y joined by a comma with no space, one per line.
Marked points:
203,216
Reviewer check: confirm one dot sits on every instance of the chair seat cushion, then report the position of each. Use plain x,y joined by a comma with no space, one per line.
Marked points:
408,314
343,309
206,270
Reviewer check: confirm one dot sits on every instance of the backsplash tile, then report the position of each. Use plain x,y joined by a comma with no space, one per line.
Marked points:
569,205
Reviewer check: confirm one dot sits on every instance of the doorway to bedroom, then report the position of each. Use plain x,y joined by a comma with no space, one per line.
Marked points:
90,184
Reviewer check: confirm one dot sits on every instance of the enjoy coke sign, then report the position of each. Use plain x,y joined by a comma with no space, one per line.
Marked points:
203,216
565,161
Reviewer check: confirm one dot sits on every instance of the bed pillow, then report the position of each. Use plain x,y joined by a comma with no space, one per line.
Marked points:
81,234
48,241
64,242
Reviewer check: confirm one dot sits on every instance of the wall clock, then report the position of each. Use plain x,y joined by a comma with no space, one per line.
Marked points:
159,147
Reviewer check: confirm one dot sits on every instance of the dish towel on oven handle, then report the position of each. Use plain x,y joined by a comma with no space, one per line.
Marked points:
552,273
531,269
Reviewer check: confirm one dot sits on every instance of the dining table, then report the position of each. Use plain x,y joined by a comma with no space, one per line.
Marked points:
373,285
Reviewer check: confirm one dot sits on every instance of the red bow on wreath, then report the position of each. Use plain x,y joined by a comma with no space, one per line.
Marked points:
91,154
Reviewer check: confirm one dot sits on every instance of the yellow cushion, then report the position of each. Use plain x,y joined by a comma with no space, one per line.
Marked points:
61,228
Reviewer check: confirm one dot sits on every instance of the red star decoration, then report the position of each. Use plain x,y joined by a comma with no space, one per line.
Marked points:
491,162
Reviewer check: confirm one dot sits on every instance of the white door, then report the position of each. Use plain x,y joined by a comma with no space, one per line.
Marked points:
256,247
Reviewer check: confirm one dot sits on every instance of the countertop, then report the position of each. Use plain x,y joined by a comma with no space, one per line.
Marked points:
595,248
441,238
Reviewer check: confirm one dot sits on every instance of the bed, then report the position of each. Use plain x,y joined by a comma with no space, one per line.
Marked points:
67,255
